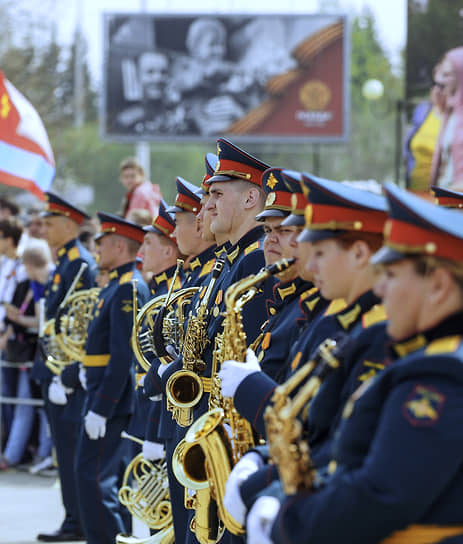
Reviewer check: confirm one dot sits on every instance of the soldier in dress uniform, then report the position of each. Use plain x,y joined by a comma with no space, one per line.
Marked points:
64,406
235,198
101,454
200,253
159,254
343,229
396,474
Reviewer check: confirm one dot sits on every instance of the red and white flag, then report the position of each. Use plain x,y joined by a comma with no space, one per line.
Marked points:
26,157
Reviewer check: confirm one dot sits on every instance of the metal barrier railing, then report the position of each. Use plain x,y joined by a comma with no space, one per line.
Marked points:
14,400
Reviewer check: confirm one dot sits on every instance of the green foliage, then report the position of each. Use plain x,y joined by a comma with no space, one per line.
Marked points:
432,30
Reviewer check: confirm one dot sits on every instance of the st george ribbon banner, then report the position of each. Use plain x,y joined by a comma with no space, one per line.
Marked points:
26,157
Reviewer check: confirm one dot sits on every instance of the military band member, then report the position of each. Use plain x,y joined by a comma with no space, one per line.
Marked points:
235,198
396,472
343,229
64,406
101,453
159,254
199,253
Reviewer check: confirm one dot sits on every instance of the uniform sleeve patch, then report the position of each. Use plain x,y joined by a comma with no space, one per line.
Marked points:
424,405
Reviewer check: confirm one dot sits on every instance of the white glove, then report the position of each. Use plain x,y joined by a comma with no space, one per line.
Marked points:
260,520
83,377
141,381
171,350
162,368
95,425
152,451
233,373
232,500
57,391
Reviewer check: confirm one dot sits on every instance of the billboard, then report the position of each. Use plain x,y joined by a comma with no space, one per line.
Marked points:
253,77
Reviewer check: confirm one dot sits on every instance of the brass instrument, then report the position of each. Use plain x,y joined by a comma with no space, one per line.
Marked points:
221,433
149,500
159,323
287,446
50,338
188,465
184,388
72,320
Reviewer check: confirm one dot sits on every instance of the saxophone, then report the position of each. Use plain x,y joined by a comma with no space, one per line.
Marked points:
221,433
184,388
288,447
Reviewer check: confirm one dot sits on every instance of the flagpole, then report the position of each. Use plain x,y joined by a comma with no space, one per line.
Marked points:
142,149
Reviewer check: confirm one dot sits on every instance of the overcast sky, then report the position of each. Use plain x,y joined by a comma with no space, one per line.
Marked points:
390,16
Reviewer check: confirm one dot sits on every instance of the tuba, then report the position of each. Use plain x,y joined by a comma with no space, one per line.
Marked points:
223,436
148,500
159,323
184,388
52,338
288,446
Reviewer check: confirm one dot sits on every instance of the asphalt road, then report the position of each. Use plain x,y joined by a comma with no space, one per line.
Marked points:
31,504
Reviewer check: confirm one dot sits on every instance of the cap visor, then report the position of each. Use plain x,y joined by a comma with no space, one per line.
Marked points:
213,179
386,255
308,235
174,209
294,221
270,213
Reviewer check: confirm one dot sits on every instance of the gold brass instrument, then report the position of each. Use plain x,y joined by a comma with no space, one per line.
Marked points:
288,446
72,320
166,536
49,332
159,323
149,499
221,433
184,388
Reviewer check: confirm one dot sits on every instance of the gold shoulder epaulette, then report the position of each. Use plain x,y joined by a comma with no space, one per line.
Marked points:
73,253
373,316
125,278
335,306
252,247
207,267
449,344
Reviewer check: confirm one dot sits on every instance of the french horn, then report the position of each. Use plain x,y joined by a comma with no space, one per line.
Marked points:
145,493
63,337
159,323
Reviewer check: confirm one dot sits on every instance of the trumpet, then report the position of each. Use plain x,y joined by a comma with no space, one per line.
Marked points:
159,323
222,435
185,388
149,500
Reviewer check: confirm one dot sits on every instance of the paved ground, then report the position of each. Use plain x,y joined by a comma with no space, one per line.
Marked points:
30,505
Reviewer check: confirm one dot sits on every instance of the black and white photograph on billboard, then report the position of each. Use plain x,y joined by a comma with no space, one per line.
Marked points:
199,76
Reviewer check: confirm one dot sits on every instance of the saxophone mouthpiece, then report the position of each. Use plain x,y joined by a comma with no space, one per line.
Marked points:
280,265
